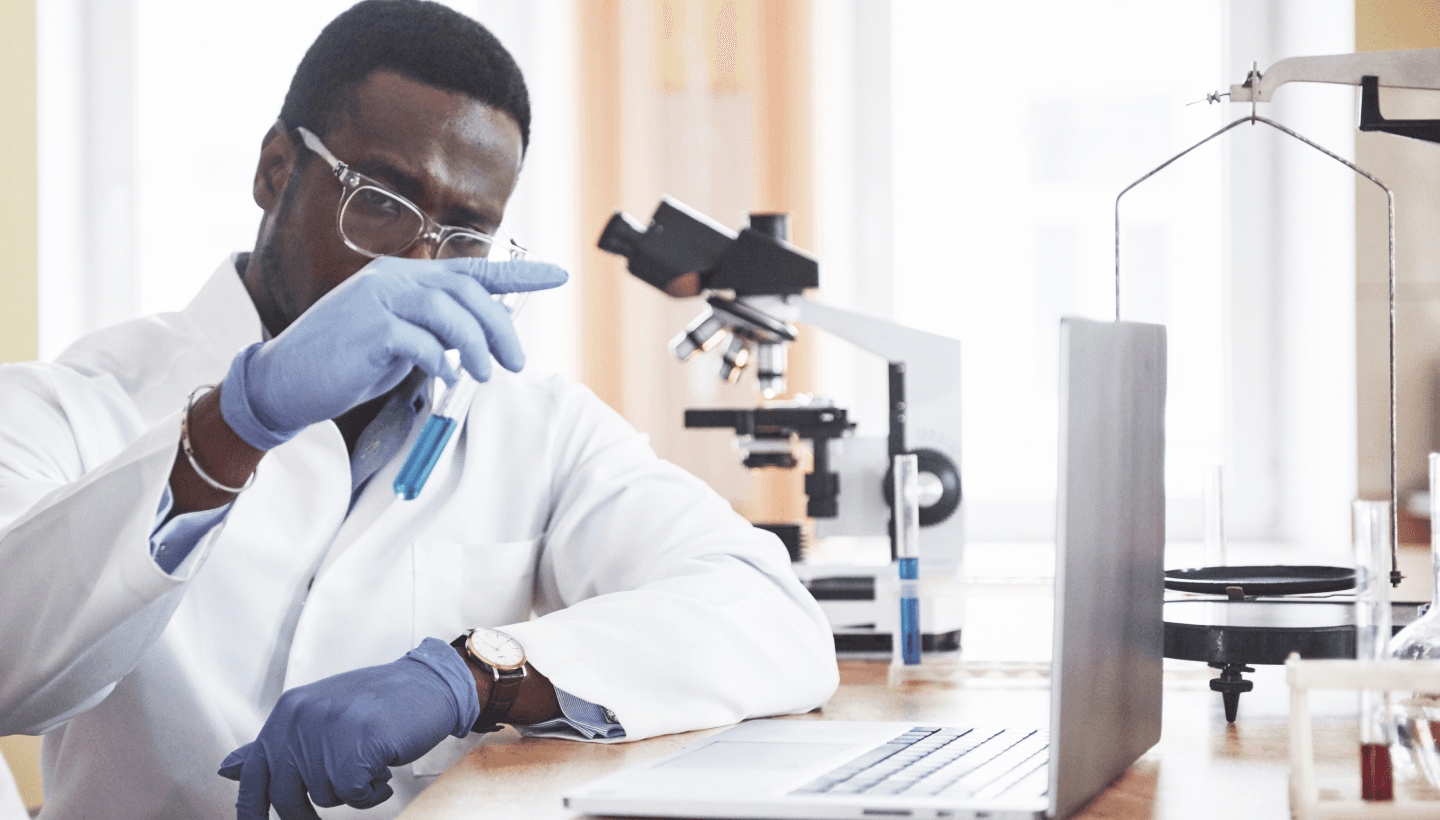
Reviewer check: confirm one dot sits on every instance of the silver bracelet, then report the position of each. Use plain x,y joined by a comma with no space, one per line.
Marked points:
190,451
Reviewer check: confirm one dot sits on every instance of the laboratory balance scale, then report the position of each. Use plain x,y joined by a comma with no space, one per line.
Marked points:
1231,617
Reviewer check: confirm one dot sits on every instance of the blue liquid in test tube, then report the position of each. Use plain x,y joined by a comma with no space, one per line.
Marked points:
907,553
444,420
910,611
433,438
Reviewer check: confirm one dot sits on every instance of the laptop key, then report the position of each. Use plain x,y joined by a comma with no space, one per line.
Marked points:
892,766
1017,754
939,778
888,789
1030,778
846,788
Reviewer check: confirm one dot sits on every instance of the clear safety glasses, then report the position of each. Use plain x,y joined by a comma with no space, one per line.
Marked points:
375,221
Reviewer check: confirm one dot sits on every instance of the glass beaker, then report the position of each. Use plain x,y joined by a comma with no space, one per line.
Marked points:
1372,633
1418,713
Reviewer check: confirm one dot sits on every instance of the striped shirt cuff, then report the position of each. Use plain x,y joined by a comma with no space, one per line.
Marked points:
589,720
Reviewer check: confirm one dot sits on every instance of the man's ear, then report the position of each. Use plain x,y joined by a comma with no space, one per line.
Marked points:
277,160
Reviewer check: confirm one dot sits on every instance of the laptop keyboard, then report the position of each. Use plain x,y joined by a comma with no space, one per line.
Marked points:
930,762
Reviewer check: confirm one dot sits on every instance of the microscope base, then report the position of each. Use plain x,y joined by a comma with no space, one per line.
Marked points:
862,604
877,644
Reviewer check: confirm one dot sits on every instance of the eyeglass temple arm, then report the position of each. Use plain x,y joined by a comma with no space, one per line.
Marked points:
314,144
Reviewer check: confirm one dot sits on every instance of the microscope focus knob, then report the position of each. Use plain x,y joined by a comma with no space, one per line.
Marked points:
936,470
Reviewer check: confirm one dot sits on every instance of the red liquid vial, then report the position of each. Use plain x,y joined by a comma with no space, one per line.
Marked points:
1376,781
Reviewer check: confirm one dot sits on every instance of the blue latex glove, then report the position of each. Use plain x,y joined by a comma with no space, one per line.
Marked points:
365,336
336,738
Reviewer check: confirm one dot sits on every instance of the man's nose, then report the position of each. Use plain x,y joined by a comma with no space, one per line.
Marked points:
423,248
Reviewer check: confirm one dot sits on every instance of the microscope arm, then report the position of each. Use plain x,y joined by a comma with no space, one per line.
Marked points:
1413,68
936,356
924,409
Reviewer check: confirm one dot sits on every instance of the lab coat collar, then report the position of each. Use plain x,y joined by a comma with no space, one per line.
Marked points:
222,310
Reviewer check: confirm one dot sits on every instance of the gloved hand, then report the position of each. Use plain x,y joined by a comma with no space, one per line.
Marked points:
336,738
364,337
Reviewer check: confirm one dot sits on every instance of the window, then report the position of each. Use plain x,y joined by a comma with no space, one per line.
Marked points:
971,191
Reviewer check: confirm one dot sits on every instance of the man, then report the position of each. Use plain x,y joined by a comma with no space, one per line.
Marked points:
198,578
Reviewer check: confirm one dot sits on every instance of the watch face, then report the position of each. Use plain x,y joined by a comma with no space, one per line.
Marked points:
497,649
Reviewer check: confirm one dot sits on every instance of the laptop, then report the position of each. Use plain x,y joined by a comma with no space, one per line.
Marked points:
1105,673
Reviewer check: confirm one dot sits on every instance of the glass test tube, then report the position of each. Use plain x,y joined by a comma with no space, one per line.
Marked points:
907,553
1215,517
1372,638
445,418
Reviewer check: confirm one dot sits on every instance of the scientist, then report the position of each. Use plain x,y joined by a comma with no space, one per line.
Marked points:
200,577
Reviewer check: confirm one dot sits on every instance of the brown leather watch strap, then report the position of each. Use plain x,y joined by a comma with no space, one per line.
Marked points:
502,693
502,696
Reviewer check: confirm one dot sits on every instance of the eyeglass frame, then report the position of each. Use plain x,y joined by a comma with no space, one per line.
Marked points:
351,181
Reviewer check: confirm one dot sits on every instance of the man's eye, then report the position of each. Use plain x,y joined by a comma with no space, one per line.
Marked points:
378,203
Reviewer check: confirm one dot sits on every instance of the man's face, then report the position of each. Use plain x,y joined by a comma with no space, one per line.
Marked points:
454,157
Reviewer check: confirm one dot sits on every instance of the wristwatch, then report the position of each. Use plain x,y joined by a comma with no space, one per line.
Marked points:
493,654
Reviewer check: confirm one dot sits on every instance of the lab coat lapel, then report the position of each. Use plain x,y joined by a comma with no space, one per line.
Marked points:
362,604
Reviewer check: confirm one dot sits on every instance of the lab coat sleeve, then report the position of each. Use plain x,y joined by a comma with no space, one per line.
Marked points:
657,600
81,477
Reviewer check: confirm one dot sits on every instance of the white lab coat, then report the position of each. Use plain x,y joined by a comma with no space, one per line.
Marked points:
11,806
652,597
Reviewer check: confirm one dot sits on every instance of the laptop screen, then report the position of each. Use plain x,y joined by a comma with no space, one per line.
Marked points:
1110,542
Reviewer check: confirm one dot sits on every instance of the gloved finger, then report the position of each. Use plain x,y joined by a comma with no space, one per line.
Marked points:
418,345
312,766
511,275
369,790
501,340
321,790
456,310
288,794
231,766
253,802
473,338
468,291
477,329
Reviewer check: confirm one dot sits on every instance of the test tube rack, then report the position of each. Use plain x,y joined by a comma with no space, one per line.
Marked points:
1348,675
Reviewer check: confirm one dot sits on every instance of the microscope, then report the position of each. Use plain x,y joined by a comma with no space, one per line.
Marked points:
753,284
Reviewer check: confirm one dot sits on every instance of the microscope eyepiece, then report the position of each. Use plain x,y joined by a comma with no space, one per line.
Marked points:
622,235
775,226
685,253
675,252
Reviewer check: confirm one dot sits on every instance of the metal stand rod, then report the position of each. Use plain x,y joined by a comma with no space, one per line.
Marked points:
1390,215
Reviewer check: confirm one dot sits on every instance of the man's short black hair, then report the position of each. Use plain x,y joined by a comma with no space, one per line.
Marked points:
421,40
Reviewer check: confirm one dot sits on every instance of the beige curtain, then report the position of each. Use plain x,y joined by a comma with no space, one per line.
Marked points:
17,205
